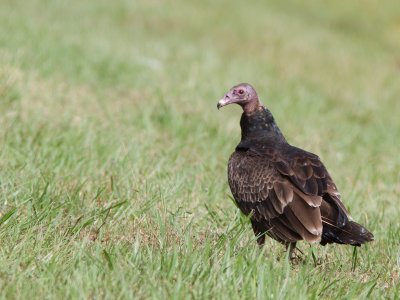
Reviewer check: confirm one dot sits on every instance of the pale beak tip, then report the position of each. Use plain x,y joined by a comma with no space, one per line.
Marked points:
221,103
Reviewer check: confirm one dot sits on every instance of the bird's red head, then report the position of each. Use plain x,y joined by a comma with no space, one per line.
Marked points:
244,95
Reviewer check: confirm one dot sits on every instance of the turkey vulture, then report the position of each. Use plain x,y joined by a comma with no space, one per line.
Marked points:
286,191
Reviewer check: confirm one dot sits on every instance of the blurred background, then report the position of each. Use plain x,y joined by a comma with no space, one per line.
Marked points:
108,120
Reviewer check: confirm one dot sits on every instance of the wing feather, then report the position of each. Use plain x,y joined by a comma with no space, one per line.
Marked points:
309,217
302,231
261,190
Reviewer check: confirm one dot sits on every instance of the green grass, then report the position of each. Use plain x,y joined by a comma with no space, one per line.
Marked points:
113,154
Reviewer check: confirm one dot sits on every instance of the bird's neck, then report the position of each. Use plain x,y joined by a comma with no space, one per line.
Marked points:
259,125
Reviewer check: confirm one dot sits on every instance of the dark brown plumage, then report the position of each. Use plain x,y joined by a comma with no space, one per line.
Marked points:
287,192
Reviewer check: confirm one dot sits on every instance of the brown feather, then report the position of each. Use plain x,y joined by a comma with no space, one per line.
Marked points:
301,230
283,229
310,217
302,169
284,192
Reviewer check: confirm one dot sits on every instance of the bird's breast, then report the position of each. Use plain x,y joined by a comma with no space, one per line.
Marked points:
249,177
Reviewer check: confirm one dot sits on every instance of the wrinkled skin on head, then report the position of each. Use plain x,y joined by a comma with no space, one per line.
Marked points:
242,94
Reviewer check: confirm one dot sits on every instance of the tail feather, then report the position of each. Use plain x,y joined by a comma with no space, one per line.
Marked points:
352,234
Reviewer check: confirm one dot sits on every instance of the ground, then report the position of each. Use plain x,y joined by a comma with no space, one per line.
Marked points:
113,155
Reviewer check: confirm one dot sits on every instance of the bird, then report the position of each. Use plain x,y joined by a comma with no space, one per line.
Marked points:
286,191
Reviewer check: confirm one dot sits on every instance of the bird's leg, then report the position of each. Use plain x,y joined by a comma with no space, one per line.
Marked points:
290,247
259,233
261,239
315,260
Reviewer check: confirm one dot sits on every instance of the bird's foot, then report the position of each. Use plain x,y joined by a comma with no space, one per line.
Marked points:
293,256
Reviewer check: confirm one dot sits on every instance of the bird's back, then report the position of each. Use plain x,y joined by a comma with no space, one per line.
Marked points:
288,190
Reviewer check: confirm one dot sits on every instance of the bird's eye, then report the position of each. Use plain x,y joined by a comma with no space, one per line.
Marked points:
241,92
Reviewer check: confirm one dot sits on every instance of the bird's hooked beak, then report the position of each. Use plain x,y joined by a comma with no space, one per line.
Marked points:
224,101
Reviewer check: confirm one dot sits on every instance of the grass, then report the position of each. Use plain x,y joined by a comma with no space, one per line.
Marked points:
113,155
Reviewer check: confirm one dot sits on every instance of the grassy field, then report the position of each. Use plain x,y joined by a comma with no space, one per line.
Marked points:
113,155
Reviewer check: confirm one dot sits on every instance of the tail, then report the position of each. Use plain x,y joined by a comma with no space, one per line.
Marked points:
351,234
